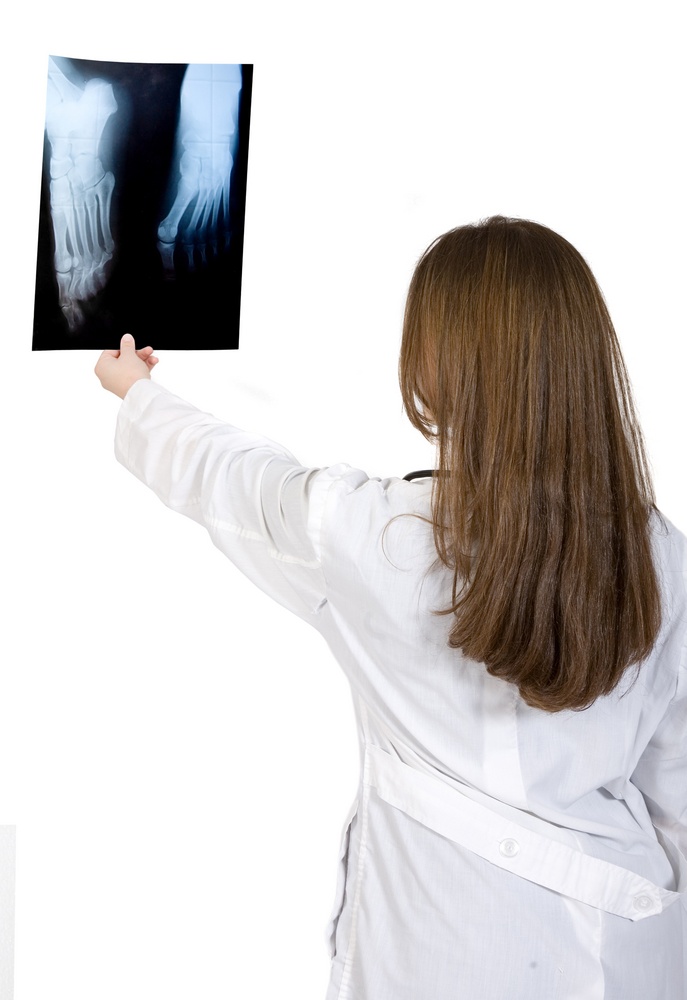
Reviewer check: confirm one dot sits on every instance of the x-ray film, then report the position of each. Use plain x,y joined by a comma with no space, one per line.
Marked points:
142,205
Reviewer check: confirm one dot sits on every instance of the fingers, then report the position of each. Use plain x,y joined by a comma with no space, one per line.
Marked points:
146,354
128,342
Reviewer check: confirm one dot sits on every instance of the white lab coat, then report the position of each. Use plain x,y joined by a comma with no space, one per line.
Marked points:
495,851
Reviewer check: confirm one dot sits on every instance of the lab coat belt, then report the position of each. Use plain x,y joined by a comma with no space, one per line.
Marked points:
544,859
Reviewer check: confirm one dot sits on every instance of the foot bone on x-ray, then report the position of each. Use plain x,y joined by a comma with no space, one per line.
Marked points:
207,136
80,188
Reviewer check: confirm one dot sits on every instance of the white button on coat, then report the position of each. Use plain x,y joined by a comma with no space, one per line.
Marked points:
509,848
431,903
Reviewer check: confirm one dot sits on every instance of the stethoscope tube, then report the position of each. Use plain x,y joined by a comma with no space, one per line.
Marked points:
422,474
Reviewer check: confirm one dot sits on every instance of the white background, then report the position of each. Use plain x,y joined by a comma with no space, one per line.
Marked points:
179,754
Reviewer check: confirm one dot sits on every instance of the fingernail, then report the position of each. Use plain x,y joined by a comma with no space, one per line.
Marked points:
127,336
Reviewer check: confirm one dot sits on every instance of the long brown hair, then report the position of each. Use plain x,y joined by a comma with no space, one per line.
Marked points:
541,506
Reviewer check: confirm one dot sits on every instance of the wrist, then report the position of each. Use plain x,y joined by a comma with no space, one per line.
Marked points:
124,386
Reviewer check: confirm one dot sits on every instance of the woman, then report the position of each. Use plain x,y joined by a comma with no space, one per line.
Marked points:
514,631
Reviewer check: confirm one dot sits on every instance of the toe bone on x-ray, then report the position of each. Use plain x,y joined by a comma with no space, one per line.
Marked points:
206,142
80,188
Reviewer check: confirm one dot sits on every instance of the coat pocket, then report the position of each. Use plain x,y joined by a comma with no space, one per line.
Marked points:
341,876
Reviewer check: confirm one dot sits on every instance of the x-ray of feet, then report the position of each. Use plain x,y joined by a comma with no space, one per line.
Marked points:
142,204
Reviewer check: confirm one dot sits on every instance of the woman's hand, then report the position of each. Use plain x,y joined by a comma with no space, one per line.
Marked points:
118,370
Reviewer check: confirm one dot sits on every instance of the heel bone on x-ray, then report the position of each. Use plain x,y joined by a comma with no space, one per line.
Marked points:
143,204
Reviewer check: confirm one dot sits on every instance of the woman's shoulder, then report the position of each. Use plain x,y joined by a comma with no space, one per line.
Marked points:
363,516
373,501
670,555
670,544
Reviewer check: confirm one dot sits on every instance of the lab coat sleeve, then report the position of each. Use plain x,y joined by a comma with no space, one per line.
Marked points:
261,508
661,773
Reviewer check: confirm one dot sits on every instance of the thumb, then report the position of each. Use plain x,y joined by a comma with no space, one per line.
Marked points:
127,343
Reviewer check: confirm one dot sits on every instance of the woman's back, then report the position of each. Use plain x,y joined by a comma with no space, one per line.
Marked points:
437,882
